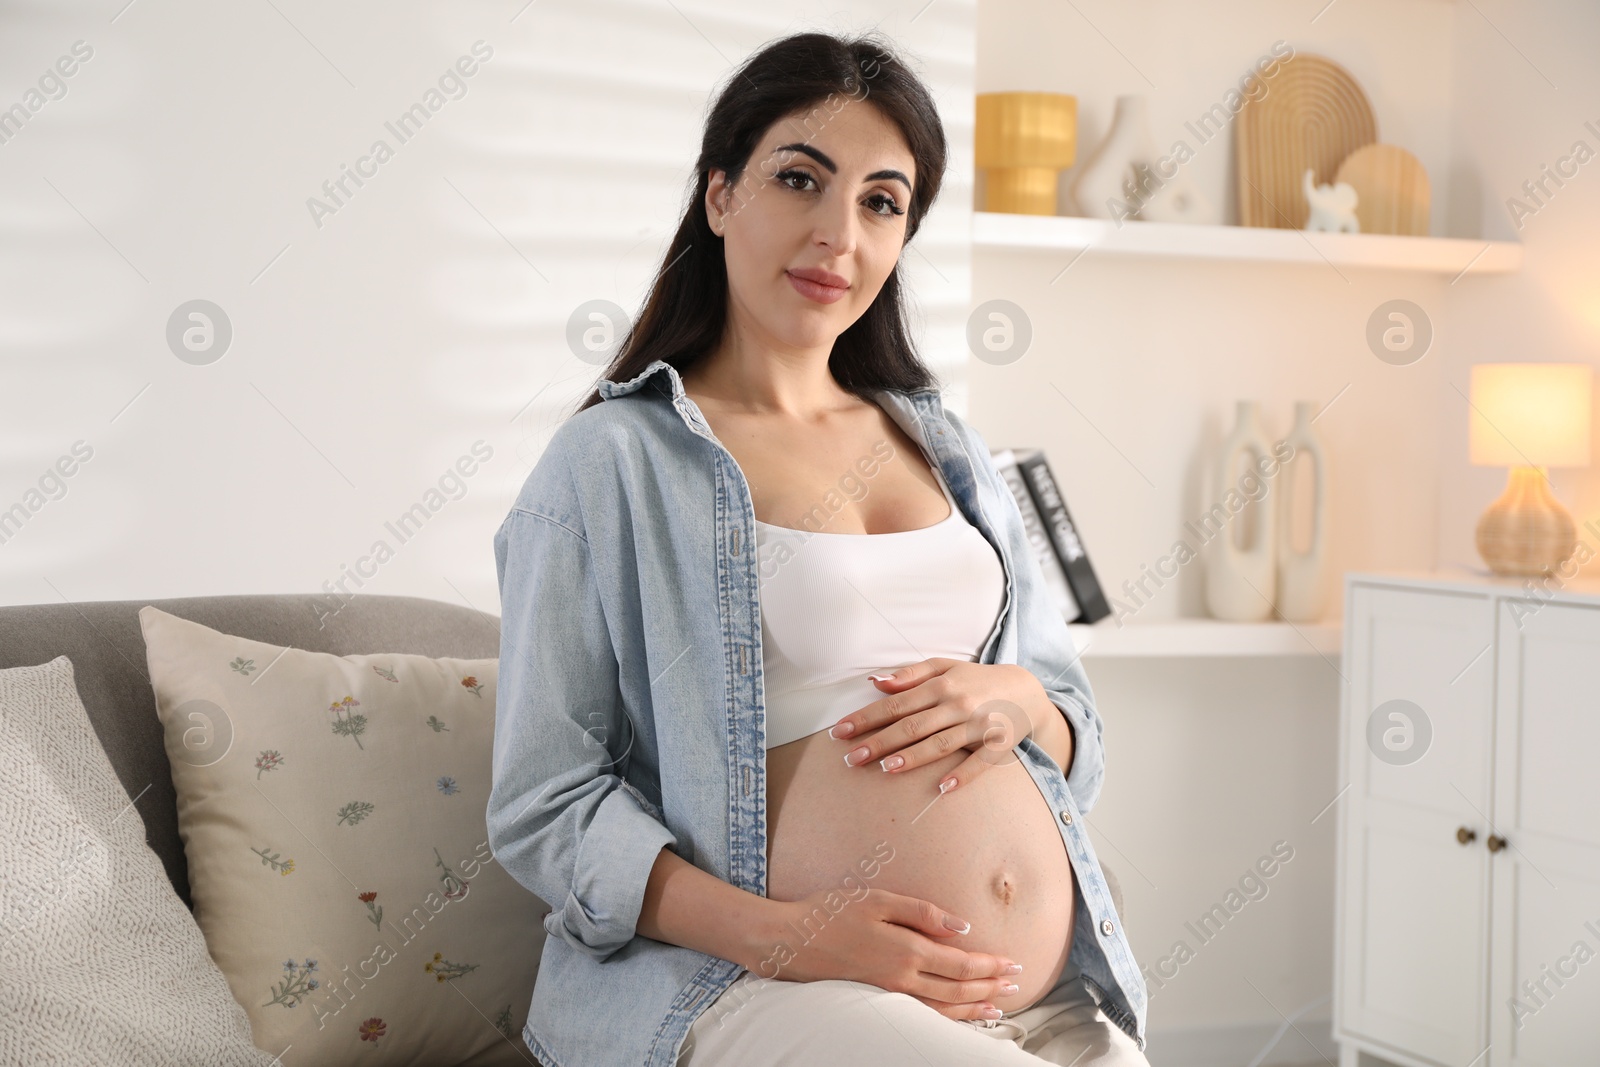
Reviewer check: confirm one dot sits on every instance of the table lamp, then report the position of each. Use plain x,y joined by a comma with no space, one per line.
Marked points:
1529,416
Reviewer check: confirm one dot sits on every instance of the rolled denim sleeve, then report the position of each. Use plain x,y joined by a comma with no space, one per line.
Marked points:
561,819
1044,644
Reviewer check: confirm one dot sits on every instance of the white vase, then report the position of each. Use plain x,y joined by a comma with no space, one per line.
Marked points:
1241,581
1106,180
1126,178
1303,576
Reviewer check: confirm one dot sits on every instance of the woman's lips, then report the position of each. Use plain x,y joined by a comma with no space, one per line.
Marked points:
811,290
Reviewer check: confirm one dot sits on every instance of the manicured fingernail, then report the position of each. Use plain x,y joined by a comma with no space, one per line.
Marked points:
843,729
889,763
991,1012
947,785
856,755
1015,968
880,677
1007,988
960,926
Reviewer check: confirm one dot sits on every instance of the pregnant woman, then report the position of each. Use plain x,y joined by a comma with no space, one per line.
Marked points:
789,734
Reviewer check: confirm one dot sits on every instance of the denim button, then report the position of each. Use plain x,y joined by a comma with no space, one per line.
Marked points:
1066,817
1106,927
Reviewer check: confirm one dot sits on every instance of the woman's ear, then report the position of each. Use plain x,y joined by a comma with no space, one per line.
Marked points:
717,200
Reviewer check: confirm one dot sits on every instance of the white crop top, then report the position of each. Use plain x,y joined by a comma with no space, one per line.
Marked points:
838,607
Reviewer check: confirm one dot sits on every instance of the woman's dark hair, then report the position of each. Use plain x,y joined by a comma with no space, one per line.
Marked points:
686,311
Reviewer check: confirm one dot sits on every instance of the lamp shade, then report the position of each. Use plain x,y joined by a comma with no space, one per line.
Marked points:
1022,141
1531,414
1026,130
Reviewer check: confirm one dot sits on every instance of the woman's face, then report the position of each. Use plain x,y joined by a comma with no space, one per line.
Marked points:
815,224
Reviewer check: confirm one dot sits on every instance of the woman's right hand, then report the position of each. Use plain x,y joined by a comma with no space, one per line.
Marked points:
893,941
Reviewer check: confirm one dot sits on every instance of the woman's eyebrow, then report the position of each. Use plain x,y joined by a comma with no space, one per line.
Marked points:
833,168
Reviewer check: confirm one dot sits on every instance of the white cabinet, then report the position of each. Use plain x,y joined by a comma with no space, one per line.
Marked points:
1467,927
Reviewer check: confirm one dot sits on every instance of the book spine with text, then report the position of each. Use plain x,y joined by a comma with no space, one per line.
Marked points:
1055,579
1052,508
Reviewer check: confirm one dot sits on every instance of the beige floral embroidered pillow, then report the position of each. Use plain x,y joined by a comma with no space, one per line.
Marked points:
332,810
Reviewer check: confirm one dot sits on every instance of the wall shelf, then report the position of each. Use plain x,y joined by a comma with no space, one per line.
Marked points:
1173,638
1435,255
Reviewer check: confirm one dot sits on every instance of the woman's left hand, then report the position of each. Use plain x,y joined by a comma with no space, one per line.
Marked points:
940,706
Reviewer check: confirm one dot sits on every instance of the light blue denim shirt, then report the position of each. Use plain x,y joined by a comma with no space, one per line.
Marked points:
630,711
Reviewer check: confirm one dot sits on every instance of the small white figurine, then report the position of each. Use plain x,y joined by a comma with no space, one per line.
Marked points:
1333,207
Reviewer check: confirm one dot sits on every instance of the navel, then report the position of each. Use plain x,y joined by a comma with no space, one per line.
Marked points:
1004,886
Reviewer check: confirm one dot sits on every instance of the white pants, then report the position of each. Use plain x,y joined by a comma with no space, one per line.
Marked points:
760,1022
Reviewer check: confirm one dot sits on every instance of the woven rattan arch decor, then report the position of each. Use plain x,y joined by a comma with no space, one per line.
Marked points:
1313,114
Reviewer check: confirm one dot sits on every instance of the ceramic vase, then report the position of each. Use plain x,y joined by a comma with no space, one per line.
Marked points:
1241,581
1124,179
1107,178
1302,576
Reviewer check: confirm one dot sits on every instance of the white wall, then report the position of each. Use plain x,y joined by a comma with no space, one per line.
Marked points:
1210,766
372,351
1524,86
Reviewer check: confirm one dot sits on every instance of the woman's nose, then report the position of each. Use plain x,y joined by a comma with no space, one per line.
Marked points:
836,225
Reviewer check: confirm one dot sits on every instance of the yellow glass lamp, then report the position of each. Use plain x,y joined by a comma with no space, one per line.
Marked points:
1022,142
1528,417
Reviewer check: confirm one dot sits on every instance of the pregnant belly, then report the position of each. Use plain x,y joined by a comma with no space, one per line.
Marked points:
988,852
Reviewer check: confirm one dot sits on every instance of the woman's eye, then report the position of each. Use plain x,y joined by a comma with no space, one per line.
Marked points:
802,182
788,177
883,204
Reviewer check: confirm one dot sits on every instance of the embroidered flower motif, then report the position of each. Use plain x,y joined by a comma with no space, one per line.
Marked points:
444,970
454,887
351,725
385,673
269,760
297,982
242,665
437,724
355,811
447,785
503,1023
374,911
372,1029
281,866
472,683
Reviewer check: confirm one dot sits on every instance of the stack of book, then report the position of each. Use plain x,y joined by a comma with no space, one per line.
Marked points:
1062,557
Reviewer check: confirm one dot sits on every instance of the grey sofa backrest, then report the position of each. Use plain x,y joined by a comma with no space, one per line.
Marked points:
106,647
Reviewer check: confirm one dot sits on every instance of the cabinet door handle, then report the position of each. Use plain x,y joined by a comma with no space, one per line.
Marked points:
1465,836
1495,843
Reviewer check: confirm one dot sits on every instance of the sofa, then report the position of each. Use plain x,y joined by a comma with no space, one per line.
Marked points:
106,646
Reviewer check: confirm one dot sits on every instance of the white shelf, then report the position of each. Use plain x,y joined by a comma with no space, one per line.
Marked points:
1206,637
1437,255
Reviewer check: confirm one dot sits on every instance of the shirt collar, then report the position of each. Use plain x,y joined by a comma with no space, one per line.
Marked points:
923,400
609,389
